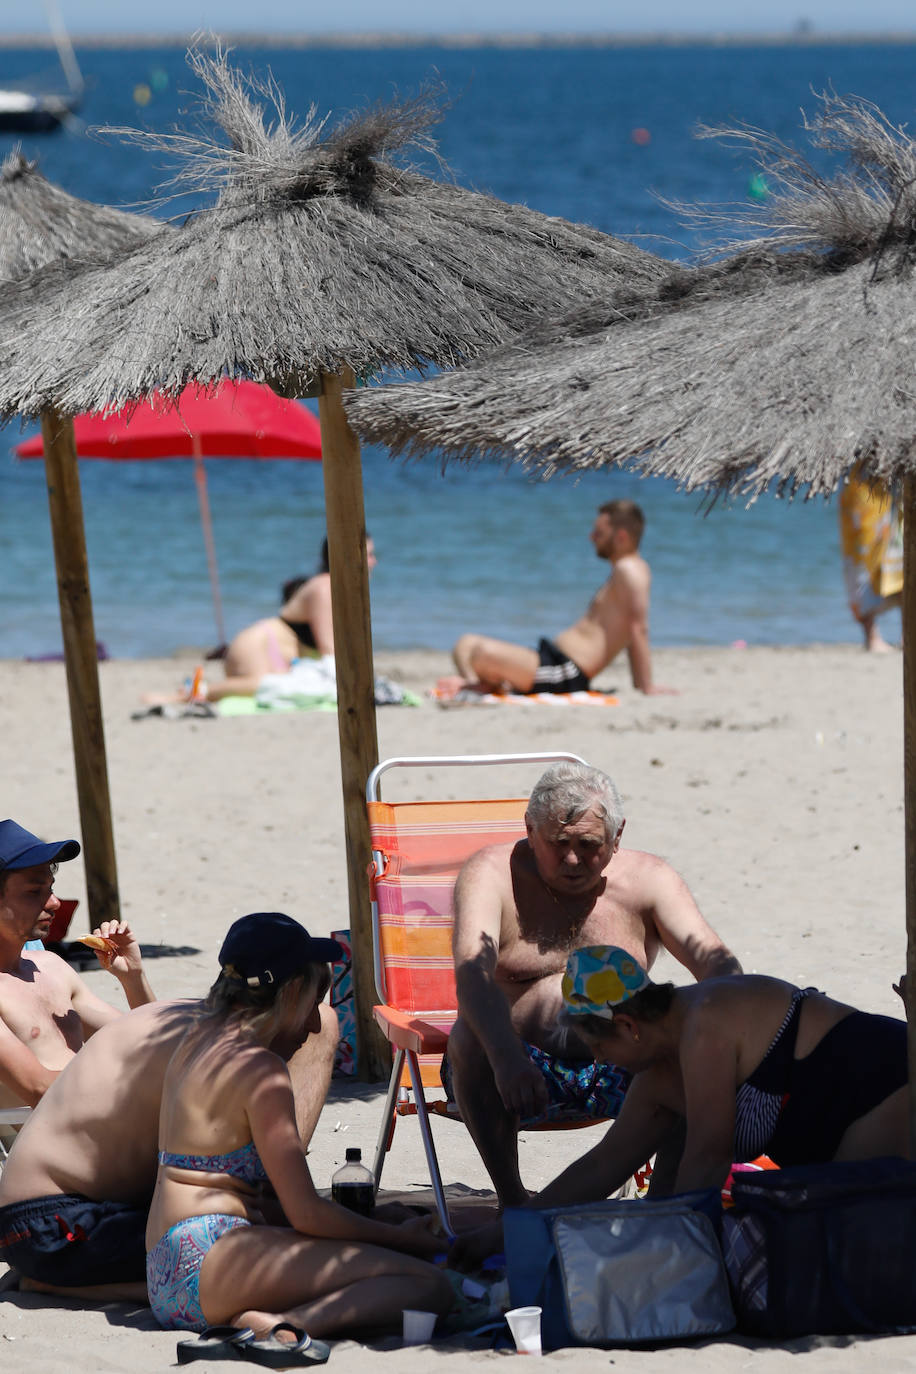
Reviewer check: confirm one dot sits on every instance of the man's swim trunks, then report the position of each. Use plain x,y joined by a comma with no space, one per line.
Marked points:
73,1241
557,673
575,1089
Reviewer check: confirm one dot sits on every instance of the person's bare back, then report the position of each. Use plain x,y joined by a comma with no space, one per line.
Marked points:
617,615
95,1132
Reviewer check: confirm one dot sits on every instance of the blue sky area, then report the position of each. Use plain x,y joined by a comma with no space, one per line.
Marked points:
450,16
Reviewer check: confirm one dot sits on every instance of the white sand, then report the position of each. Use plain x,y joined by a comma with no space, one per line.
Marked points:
773,782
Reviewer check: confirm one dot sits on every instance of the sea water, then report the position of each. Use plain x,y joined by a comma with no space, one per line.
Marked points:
465,548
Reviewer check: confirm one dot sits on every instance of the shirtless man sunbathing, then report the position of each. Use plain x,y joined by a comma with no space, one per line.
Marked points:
519,911
617,618
46,1010
76,1189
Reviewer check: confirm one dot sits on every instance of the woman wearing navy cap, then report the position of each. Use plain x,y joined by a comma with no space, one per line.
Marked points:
227,1126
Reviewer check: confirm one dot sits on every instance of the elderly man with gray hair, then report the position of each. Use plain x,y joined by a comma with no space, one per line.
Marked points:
520,909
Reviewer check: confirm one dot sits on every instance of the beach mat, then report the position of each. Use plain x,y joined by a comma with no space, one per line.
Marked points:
470,698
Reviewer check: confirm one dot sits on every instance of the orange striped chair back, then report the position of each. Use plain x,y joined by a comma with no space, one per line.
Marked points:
420,846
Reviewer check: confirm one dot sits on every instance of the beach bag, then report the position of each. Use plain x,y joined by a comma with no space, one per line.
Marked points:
824,1249
623,1272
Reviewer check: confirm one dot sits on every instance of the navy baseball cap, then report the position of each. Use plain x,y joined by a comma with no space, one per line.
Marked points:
19,848
268,947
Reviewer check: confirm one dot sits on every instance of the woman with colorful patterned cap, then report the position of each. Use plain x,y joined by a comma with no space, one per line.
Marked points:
751,1065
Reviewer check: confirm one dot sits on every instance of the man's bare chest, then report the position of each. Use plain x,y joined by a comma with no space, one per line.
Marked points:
538,946
38,1010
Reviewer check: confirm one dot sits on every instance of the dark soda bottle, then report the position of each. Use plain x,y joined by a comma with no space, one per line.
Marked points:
353,1186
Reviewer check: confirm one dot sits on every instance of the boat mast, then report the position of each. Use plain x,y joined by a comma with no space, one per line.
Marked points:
64,47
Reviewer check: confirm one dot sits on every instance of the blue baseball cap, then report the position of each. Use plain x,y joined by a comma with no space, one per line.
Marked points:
19,848
268,947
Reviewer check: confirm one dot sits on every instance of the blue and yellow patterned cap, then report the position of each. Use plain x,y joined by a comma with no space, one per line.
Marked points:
599,978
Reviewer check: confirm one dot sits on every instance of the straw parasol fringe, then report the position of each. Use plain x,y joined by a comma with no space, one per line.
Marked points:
842,218
40,222
263,159
802,367
265,282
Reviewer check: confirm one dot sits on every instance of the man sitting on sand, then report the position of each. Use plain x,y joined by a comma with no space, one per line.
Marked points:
617,618
75,1192
46,1010
519,911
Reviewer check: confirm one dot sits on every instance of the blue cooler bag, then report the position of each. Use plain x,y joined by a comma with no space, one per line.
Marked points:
824,1249
622,1272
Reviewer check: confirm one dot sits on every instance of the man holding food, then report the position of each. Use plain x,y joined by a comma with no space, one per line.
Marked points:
46,1010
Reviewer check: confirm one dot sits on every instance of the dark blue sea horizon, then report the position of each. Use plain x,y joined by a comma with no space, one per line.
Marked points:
484,547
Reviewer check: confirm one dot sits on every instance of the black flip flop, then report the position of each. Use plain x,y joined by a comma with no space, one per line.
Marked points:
216,1343
277,1354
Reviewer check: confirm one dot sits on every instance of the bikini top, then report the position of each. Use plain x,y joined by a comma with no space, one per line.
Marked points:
302,630
762,1095
243,1163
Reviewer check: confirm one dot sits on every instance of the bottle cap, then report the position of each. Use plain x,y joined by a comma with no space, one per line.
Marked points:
354,1155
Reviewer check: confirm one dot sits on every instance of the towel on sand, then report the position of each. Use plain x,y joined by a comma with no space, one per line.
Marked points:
472,698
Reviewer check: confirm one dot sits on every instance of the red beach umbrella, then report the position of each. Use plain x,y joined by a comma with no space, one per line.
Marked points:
231,420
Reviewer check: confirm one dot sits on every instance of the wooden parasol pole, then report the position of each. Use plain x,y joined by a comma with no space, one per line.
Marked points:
69,536
346,520
908,619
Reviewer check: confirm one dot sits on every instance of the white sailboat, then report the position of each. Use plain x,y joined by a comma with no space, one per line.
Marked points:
27,109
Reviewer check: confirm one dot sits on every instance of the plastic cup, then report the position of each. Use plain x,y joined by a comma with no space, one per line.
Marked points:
525,1325
418,1326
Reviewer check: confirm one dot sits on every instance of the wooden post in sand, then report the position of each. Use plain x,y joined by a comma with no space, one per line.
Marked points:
69,536
909,778
346,521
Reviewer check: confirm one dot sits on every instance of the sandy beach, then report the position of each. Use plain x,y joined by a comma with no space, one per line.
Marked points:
772,781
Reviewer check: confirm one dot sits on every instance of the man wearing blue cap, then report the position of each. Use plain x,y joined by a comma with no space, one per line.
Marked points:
46,1010
88,1154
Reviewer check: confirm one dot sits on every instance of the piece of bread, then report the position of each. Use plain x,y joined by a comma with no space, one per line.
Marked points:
100,942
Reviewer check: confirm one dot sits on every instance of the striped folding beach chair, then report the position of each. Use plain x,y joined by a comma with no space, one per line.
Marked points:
417,851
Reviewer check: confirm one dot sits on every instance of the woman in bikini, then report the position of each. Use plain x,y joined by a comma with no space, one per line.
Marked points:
227,1127
302,626
750,1064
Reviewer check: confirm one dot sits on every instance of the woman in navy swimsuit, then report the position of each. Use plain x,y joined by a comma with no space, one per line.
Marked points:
227,1125
750,1064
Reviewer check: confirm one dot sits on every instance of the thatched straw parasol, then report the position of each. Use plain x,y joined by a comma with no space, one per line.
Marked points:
786,361
322,259
784,365
39,224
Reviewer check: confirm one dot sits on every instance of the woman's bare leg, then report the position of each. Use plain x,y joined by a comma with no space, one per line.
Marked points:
261,1275
370,1303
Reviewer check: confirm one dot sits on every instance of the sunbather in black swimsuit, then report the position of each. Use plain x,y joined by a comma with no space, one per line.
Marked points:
797,1110
302,630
